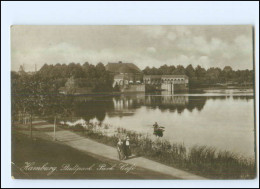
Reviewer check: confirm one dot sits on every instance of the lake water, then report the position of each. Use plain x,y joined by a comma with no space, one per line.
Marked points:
223,119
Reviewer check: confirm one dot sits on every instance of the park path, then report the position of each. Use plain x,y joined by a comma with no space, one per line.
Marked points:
90,146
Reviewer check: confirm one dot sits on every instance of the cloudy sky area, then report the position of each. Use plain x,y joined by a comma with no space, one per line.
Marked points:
208,46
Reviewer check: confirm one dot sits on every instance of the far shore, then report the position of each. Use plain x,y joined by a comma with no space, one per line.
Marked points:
191,90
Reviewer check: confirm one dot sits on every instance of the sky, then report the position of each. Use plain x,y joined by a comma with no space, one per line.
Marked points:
153,46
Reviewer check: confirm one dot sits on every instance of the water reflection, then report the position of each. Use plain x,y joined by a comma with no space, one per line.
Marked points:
90,107
175,103
222,121
124,104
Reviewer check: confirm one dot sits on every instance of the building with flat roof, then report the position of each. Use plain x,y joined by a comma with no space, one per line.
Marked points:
175,79
159,79
152,79
167,82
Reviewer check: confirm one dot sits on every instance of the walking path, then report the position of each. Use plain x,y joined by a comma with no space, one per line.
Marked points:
87,145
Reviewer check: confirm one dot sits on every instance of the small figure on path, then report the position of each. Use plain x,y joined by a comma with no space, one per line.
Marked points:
120,149
127,148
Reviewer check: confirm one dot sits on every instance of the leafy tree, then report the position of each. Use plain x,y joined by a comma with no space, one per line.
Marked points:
190,72
213,75
180,70
147,71
227,69
200,72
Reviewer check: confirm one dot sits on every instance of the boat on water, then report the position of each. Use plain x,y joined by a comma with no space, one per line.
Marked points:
158,130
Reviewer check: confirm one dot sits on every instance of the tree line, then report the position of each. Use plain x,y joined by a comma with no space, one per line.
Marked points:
87,75
199,76
98,79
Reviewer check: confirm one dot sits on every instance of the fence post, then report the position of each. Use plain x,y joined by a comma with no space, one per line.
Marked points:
54,134
31,126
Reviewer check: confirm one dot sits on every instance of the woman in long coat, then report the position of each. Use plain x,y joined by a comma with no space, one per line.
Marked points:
127,148
120,150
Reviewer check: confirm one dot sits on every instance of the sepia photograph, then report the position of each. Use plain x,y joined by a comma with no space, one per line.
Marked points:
141,102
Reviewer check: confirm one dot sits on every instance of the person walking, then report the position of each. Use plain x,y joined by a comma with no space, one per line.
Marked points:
120,149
